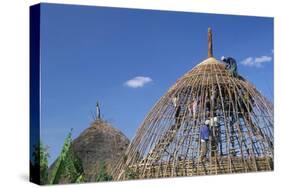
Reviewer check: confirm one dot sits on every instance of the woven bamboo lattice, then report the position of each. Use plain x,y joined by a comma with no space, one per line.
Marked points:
167,144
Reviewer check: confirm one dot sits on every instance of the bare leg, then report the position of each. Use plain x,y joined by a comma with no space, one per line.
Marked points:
203,150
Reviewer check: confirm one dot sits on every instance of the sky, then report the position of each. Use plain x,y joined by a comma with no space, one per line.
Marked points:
128,58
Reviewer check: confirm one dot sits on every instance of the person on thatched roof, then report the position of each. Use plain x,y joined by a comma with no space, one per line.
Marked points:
208,103
204,138
193,107
231,65
214,95
177,106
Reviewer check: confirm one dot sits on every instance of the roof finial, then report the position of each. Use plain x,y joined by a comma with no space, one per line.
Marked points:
210,43
98,110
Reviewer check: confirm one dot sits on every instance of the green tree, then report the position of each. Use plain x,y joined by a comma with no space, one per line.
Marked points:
39,163
67,165
44,155
102,175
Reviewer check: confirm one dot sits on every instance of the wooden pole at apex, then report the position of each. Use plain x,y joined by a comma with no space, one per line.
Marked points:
210,43
97,110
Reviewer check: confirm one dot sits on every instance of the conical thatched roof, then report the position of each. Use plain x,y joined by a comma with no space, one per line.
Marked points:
99,143
168,142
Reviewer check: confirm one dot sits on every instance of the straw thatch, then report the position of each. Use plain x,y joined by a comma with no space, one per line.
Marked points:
167,143
99,144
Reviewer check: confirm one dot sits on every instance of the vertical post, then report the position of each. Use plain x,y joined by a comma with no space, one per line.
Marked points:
98,111
210,43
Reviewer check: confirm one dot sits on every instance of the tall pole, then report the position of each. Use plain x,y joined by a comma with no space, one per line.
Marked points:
98,110
210,43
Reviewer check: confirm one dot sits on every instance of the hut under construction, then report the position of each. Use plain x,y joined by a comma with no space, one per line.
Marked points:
168,143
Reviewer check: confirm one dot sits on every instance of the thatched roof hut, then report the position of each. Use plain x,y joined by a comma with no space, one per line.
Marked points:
168,142
99,144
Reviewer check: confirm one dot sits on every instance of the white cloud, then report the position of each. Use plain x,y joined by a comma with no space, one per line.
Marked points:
249,61
256,61
138,81
263,59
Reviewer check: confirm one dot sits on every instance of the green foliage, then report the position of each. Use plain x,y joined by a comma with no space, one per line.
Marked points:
102,175
73,167
80,179
39,164
68,165
130,174
44,155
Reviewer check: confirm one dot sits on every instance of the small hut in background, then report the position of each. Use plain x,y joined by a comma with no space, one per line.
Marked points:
100,144
98,147
167,144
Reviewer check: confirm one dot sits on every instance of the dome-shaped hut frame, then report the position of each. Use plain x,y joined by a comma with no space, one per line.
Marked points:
168,142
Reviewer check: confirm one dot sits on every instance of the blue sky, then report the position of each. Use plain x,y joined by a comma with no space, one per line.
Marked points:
127,59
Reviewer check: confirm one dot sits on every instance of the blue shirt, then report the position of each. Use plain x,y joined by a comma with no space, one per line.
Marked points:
204,132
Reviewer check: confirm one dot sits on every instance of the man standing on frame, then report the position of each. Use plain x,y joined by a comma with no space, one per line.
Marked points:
204,138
